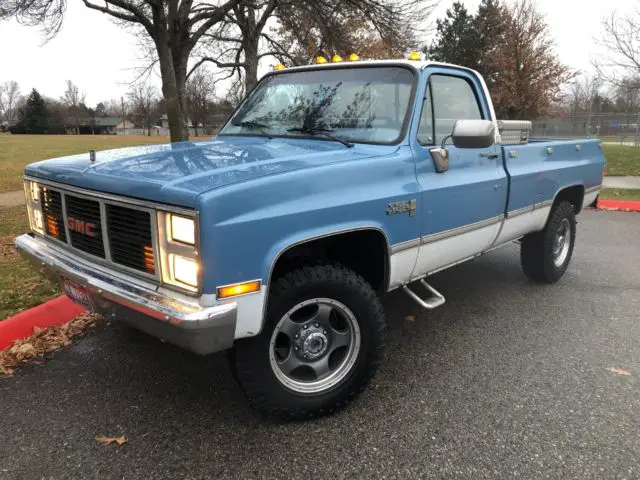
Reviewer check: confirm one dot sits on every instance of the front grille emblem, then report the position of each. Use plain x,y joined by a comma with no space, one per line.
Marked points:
80,226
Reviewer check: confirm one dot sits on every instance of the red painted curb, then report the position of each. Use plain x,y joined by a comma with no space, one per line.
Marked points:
54,312
625,205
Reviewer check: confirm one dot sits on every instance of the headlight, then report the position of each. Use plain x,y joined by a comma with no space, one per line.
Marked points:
185,270
34,209
178,238
34,191
183,229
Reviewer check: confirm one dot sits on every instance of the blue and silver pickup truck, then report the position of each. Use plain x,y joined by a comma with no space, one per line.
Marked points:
329,186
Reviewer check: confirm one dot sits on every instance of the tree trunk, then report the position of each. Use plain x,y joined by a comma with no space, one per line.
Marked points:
251,68
171,92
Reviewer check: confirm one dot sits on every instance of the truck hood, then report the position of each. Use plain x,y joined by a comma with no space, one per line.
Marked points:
177,173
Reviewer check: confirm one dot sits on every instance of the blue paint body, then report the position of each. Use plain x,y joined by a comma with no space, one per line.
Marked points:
256,197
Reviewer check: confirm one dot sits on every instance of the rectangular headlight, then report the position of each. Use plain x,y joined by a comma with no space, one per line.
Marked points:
34,192
179,256
34,210
183,229
185,270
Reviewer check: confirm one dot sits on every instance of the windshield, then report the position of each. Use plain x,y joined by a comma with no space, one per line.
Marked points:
361,104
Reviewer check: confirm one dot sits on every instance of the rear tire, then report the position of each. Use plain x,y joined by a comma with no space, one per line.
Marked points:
322,342
545,255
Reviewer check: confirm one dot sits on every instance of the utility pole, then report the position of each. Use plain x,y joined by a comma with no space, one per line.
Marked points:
124,119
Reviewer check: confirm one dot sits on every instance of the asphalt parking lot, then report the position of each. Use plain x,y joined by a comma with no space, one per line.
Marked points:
508,379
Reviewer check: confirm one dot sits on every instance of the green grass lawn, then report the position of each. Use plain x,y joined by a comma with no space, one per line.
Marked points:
620,194
17,151
20,285
622,160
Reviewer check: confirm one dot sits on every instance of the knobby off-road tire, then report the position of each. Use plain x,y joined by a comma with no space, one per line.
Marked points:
545,255
321,344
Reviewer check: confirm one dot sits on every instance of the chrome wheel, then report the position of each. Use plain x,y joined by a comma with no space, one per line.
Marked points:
315,345
562,243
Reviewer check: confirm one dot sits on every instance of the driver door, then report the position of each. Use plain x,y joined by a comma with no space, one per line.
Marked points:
463,207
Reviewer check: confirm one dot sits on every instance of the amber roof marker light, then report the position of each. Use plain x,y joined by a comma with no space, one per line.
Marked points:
279,66
354,57
321,60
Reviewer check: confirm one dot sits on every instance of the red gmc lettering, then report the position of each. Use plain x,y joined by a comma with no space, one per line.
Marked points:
80,226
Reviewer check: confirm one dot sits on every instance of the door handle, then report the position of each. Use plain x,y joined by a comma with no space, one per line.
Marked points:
490,154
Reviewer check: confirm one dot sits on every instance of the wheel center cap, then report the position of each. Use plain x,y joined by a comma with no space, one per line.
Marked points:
313,343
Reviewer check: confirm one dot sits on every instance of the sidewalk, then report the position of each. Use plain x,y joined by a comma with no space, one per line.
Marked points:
12,199
621,182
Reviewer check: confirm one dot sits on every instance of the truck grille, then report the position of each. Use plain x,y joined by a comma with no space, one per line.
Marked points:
51,203
130,234
130,239
85,225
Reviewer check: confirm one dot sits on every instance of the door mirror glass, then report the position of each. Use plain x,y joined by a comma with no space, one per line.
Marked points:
473,133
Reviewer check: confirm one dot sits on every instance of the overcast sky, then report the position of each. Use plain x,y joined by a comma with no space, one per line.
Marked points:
101,57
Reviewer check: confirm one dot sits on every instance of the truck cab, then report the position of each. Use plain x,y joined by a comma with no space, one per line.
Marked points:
328,187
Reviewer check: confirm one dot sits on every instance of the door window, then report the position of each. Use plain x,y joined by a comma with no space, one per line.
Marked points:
448,99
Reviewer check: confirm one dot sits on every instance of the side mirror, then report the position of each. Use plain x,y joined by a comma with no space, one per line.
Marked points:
473,133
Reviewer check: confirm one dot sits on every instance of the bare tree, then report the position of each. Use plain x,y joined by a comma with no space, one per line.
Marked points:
9,95
174,27
627,93
621,39
200,95
296,31
74,100
142,97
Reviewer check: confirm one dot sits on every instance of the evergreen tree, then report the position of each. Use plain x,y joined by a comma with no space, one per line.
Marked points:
35,115
489,30
455,41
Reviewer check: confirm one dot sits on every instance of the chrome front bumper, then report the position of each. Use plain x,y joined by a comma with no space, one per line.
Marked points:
171,317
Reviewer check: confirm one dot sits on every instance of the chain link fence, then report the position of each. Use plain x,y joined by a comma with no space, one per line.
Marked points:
622,128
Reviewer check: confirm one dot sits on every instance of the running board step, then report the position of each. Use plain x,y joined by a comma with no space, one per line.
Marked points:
436,300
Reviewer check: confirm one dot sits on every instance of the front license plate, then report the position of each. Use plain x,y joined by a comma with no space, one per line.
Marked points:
77,293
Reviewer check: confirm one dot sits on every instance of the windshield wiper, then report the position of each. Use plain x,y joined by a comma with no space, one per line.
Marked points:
252,125
326,132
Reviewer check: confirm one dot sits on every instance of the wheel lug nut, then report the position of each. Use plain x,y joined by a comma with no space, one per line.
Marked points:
324,331
295,348
306,326
317,324
297,335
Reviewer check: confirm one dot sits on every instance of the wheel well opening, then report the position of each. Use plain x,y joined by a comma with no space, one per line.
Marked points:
364,251
574,195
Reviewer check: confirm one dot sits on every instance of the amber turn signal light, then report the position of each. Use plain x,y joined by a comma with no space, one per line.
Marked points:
238,289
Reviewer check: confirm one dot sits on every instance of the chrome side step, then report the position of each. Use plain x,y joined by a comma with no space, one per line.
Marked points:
436,300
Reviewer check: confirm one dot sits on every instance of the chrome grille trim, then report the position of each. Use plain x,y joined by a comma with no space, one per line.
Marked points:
103,200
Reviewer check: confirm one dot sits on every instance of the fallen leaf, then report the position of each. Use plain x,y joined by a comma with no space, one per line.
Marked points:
109,440
410,318
43,340
619,372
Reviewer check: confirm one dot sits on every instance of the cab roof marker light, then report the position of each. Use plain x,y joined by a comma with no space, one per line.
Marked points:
336,58
414,55
321,60
354,57
279,66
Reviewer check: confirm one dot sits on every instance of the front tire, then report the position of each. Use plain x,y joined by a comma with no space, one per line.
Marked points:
322,342
545,255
